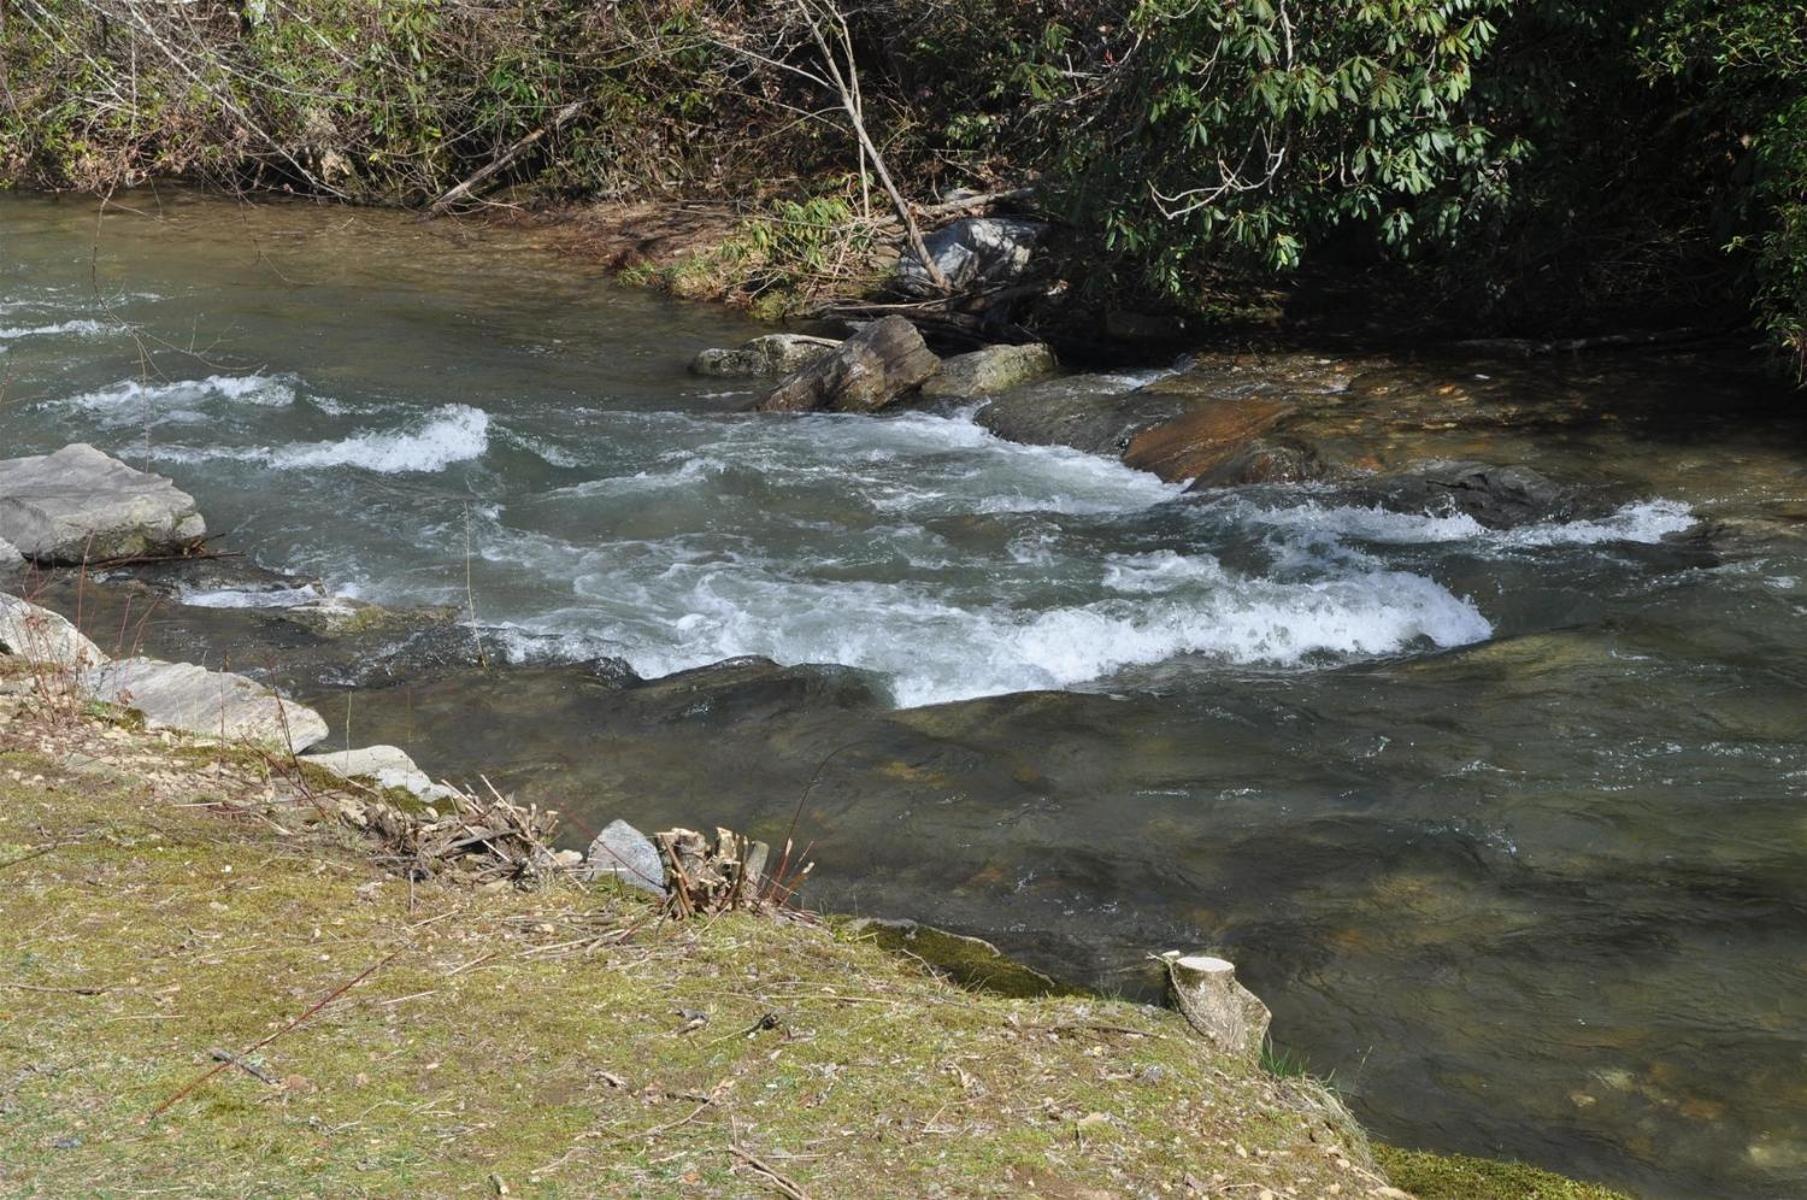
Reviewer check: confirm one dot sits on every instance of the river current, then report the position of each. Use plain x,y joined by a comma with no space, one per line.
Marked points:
1508,827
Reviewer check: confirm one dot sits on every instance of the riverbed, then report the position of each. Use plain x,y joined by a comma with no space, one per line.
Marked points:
1509,826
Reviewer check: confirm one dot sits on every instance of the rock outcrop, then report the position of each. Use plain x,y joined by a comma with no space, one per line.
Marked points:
991,370
869,370
44,638
773,354
216,704
82,505
385,767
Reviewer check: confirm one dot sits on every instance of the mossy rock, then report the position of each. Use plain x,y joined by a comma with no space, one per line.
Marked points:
1460,1177
971,962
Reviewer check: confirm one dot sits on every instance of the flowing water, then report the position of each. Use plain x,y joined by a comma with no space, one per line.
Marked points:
1509,828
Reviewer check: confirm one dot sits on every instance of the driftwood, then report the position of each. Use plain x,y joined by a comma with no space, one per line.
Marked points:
704,878
483,840
501,161
978,200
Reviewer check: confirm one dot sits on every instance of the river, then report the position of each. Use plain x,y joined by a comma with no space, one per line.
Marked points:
1509,827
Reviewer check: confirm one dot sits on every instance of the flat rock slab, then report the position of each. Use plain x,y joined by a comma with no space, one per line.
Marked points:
864,373
214,704
773,354
991,370
1205,438
44,638
82,505
384,766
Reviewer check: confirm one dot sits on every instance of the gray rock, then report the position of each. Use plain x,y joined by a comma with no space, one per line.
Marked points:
973,252
991,370
1100,414
43,637
623,853
9,555
80,504
384,766
215,704
866,372
1496,497
773,354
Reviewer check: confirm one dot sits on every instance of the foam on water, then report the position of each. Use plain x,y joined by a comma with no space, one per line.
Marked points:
83,328
1643,522
131,401
450,434
933,650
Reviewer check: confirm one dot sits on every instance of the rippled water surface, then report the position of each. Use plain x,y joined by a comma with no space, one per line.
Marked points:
1510,828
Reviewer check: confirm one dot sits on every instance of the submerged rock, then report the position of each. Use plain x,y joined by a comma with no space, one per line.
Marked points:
975,251
43,638
1204,439
969,961
210,703
1497,497
81,505
991,370
772,354
342,616
621,852
866,372
384,766
1100,414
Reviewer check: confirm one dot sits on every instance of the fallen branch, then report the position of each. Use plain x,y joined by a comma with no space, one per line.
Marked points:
229,1061
776,1177
501,161
948,208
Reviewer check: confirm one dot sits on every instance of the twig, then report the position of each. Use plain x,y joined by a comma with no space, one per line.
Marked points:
778,1179
244,1064
325,1000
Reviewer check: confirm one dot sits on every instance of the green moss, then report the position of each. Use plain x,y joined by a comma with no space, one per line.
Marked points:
1459,1177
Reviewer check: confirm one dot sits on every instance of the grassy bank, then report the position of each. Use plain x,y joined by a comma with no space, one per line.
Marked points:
213,987
165,903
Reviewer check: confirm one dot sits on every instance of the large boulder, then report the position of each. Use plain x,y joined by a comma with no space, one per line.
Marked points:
773,354
866,372
215,704
385,766
44,638
991,370
81,505
976,252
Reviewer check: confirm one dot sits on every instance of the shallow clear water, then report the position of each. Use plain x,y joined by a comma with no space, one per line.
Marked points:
1508,828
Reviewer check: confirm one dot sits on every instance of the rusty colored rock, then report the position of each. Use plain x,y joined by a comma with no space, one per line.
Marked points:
1204,438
